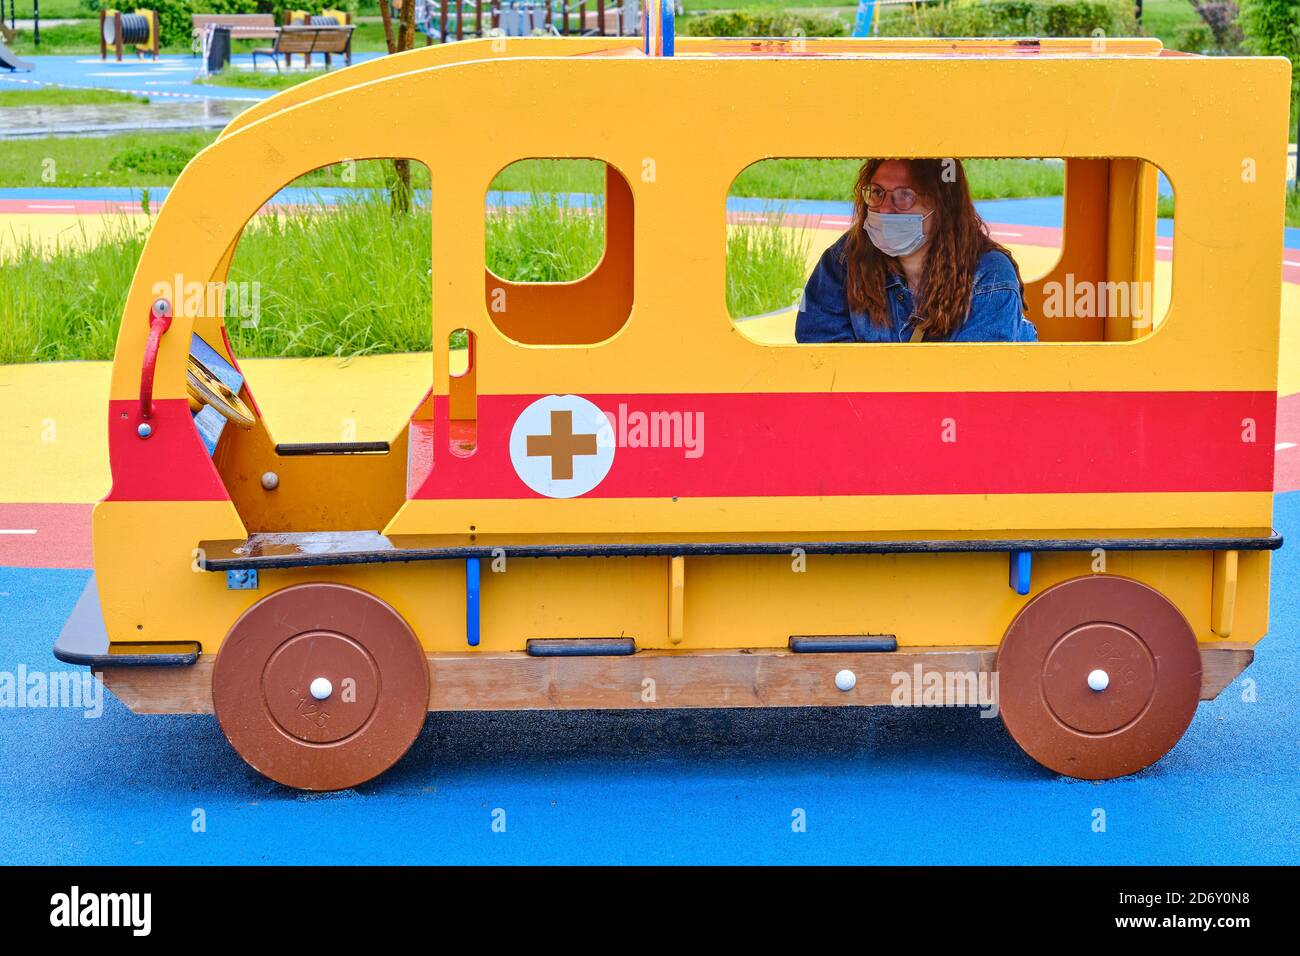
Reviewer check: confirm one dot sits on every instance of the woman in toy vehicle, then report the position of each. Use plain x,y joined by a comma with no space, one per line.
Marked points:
916,264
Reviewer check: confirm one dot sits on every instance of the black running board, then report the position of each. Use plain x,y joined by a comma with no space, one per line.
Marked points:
843,643
332,448
315,549
582,647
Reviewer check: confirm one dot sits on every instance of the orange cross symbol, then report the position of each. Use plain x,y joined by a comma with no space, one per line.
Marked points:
561,445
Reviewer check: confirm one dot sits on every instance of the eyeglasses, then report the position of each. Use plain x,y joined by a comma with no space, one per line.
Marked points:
904,197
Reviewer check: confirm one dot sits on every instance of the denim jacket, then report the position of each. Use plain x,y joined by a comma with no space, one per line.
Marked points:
995,308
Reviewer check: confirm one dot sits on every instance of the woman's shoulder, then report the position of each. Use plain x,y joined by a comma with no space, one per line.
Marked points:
995,272
832,260
836,249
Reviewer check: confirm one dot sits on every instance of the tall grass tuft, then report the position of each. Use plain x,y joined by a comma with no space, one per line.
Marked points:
344,281
66,303
544,240
766,267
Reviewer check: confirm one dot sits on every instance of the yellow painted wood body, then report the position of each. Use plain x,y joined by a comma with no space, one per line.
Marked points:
680,135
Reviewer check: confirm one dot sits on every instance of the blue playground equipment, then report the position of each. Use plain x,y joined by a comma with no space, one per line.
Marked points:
865,19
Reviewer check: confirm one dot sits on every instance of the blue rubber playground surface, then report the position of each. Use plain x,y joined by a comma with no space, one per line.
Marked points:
872,785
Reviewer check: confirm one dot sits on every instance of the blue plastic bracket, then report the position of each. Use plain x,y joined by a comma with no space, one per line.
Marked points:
243,579
1021,564
471,601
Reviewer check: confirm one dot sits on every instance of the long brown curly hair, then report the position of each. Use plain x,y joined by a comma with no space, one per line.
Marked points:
957,238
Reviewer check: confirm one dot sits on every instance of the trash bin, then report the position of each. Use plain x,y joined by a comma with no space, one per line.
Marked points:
218,49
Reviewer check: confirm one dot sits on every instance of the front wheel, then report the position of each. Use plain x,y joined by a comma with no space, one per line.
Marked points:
321,686
1098,677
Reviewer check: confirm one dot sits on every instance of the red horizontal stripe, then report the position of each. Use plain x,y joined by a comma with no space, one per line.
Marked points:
890,443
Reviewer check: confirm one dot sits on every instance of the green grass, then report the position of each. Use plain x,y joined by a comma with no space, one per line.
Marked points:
66,96
369,38
552,176
1014,178
834,178
88,161
766,267
1162,18
77,38
55,10
261,80
544,241
347,281
116,161
83,161
67,305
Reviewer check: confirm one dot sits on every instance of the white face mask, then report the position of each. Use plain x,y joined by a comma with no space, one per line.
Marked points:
896,233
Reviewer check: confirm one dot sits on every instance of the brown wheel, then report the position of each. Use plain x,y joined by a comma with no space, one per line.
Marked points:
1107,632
321,686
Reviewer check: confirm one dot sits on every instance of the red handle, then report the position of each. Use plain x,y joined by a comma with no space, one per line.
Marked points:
160,320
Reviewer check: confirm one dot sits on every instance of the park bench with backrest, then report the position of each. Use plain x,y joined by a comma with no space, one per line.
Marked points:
243,26
308,40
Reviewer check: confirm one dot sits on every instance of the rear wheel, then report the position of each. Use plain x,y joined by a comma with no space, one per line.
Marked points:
321,686
1098,677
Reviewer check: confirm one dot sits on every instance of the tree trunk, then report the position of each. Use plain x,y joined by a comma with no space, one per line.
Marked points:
386,15
400,189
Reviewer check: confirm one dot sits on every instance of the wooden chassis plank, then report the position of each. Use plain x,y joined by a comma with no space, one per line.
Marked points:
681,679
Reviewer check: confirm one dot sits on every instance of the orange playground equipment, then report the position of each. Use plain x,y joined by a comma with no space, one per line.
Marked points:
628,501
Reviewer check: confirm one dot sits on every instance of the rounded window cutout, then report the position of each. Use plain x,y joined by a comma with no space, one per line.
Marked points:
559,251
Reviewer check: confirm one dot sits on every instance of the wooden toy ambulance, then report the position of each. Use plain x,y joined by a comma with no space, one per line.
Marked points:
1086,519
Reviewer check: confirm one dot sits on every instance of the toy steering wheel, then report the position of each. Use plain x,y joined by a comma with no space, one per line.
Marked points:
206,389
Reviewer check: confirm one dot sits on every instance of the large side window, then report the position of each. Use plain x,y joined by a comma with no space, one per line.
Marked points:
1090,238
336,265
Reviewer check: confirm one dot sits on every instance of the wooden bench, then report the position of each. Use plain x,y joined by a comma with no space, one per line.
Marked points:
326,18
243,26
308,40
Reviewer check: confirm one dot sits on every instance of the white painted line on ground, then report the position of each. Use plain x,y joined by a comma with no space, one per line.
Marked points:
46,205
1283,445
17,530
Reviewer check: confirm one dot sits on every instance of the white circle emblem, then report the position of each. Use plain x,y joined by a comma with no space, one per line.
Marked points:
562,446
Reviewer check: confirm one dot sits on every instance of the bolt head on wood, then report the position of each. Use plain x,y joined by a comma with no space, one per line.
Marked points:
270,481
321,688
846,680
1098,679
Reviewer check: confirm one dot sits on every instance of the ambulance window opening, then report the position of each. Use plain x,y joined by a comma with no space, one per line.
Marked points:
559,256
1091,238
